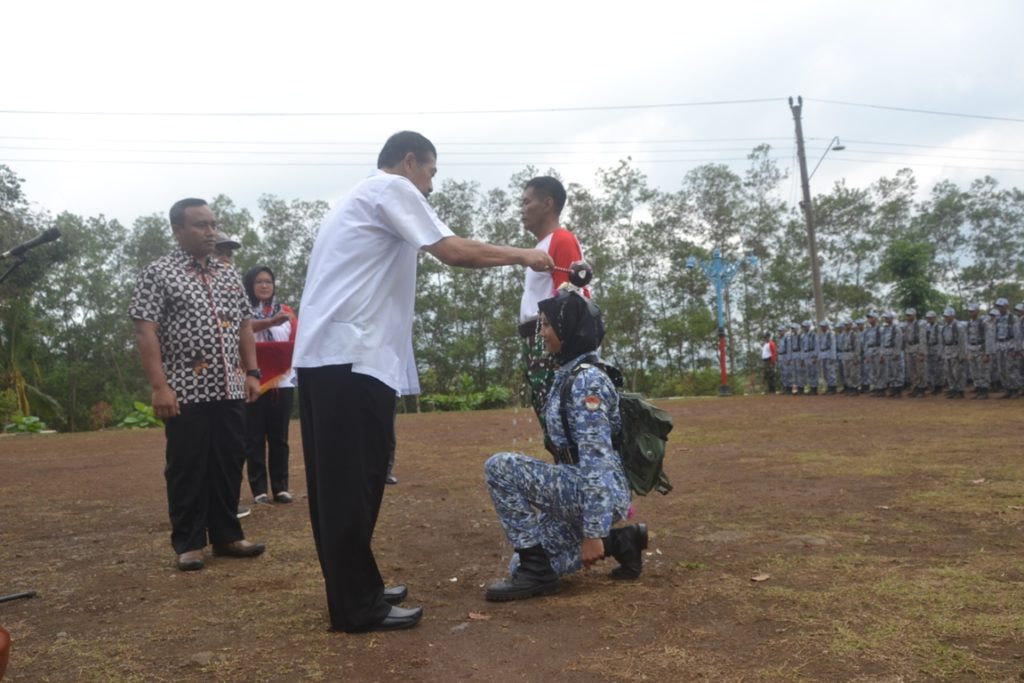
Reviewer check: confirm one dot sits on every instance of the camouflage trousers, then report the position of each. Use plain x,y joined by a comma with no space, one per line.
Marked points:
828,371
874,367
852,373
936,370
538,503
783,366
917,367
954,371
981,368
539,373
810,373
1009,368
889,371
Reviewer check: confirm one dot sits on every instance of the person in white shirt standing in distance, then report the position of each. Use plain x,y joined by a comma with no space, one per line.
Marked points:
352,353
540,208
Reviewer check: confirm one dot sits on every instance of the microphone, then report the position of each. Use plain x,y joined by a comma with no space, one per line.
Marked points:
48,236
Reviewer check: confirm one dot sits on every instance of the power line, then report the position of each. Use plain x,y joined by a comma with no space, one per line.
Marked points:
377,143
917,111
908,144
365,153
353,163
452,112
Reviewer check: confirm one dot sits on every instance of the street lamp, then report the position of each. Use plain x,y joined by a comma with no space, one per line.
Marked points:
721,273
833,146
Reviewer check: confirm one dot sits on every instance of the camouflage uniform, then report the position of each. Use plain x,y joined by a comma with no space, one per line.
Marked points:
782,348
809,358
873,353
859,340
935,374
557,506
915,349
1007,349
795,359
892,348
827,355
980,347
953,346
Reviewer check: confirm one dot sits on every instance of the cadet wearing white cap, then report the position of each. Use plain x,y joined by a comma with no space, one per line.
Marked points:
980,347
872,354
1019,309
915,350
809,355
953,345
892,348
827,355
844,350
859,334
1006,349
782,348
935,373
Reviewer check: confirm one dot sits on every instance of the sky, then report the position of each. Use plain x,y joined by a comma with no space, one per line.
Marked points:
121,108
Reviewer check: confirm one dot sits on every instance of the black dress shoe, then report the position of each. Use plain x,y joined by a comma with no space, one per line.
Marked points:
239,549
397,619
396,594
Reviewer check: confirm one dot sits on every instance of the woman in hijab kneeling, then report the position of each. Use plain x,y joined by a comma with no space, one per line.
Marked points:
559,517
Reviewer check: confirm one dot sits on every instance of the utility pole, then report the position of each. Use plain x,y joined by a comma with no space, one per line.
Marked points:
805,182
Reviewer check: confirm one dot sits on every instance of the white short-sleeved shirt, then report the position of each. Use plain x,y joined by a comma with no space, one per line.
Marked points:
358,302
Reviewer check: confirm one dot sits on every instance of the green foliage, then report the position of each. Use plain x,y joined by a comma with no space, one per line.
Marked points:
8,404
141,417
24,424
491,397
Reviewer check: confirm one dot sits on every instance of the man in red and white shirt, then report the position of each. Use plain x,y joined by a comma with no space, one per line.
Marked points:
540,207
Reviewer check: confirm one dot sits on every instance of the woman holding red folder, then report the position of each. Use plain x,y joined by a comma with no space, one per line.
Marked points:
266,422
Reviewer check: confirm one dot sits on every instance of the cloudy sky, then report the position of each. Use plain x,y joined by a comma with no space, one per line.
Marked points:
123,108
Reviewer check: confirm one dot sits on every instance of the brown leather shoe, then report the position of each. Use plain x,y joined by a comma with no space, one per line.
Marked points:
190,561
239,549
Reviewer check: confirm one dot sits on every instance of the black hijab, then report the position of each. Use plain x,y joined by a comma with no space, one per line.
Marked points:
577,323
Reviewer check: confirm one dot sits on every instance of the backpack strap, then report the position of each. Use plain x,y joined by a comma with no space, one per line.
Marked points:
570,455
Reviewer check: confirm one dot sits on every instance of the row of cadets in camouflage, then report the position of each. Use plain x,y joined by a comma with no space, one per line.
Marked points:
923,355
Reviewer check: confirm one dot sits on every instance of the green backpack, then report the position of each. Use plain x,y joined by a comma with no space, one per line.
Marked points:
641,441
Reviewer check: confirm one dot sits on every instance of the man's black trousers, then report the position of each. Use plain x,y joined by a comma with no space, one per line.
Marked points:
347,420
205,446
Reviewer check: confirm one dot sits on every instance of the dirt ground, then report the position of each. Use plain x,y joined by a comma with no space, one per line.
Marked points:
886,534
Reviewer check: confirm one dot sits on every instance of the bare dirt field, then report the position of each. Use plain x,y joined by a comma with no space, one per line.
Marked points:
886,534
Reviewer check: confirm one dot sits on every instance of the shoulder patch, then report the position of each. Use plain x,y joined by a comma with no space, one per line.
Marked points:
592,402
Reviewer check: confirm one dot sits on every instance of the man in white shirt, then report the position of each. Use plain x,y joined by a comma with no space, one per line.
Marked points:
351,353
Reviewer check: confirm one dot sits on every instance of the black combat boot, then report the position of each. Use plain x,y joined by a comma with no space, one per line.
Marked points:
980,393
896,392
1010,393
865,389
534,577
626,545
799,391
831,391
813,391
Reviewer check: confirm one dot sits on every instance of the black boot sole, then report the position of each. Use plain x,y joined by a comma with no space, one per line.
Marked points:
507,595
621,573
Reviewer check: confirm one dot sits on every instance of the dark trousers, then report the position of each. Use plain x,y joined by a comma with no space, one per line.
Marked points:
768,369
347,419
203,472
266,438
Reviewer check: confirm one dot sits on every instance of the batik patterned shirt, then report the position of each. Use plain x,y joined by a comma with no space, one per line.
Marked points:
198,309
